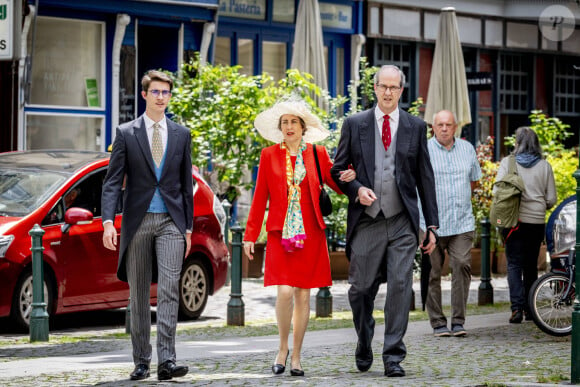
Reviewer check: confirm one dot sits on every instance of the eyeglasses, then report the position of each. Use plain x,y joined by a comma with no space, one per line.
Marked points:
164,93
383,88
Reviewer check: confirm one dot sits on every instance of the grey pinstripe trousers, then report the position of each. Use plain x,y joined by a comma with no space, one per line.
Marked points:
382,250
157,233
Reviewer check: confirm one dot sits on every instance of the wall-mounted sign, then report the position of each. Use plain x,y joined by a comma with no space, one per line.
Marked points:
479,80
245,9
10,16
336,16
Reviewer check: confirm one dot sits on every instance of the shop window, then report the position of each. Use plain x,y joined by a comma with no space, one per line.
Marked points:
283,11
340,60
223,51
274,59
64,132
469,29
67,67
514,91
127,85
398,54
493,33
566,88
401,22
246,56
431,25
374,23
572,44
522,35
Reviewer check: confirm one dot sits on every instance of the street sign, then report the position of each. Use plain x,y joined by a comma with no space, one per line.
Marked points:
10,31
479,81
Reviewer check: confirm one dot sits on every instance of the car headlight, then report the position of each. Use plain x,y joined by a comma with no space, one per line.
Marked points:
5,241
220,214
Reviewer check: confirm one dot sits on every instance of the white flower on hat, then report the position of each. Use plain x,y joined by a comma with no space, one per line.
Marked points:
267,121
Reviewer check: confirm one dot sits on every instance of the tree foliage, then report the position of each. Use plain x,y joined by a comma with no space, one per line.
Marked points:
219,104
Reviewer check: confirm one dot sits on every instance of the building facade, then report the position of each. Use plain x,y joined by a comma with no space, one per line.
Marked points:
81,61
259,36
77,75
515,62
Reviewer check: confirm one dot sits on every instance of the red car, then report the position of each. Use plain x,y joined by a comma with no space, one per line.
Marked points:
61,192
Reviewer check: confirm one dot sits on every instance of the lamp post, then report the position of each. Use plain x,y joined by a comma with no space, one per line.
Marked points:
485,291
236,304
38,315
324,297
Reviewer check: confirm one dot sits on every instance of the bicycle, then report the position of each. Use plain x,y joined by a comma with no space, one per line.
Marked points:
551,297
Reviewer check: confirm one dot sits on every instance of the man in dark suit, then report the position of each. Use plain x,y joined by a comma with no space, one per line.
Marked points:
151,159
388,149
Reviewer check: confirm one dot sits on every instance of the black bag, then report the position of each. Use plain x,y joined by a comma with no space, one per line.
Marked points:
324,198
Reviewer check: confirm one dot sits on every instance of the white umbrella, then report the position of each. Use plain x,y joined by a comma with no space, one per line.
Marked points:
308,52
448,83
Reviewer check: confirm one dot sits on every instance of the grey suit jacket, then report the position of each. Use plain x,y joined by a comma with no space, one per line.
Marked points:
413,171
131,159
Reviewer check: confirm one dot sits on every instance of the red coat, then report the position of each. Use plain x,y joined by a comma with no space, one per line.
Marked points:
271,184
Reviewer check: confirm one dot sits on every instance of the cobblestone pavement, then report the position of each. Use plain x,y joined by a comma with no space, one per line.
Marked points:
494,353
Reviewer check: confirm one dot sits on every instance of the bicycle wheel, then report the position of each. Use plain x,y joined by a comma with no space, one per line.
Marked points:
552,312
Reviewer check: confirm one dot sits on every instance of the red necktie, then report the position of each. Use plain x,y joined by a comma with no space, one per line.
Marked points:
386,132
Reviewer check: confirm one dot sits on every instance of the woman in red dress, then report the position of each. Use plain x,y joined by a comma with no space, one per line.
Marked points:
296,251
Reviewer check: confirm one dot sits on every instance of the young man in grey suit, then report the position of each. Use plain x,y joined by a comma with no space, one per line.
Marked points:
150,166
388,149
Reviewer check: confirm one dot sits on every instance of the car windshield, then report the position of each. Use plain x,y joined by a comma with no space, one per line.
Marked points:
23,191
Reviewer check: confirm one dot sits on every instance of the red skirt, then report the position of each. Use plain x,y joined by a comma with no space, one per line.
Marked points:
305,268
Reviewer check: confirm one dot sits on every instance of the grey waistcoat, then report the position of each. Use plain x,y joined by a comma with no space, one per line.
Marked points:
385,185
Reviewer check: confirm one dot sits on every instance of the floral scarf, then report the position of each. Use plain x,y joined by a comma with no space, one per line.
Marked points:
293,234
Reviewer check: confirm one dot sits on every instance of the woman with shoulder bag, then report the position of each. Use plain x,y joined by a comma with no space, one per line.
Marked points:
296,251
522,242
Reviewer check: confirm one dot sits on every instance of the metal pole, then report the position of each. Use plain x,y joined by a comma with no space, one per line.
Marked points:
485,292
236,304
38,315
324,302
324,297
226,205
575,363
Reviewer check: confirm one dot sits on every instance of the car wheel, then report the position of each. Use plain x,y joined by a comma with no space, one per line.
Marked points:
193,289
22,300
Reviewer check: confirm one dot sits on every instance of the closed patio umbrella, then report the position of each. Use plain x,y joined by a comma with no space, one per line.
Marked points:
308,51
448,83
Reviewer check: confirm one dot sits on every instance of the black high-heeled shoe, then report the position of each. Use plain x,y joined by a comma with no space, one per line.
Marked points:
278,369
297,371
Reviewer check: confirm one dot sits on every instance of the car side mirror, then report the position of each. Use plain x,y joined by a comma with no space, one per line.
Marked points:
76,215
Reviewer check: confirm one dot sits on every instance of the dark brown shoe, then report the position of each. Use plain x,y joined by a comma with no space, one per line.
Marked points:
517,317
168,370
140,372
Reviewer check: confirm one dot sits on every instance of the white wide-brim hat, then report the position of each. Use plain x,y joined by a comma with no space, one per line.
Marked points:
267,121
